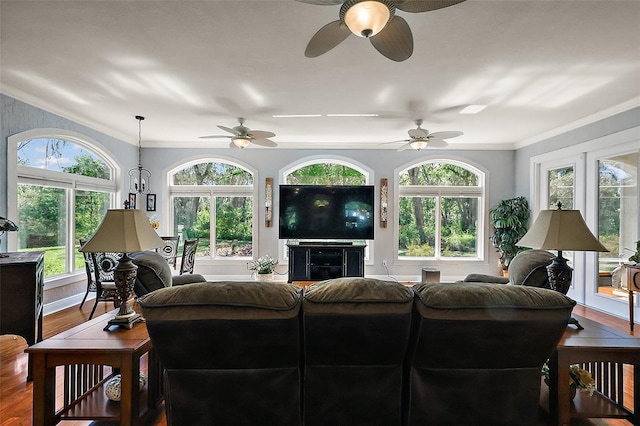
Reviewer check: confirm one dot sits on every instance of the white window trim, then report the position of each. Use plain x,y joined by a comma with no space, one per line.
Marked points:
369,175
36,176
479,191
212,191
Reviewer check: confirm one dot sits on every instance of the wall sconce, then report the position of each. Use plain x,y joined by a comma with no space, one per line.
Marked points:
384,202
268,202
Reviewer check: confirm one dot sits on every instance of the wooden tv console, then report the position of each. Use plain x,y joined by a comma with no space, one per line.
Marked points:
320,261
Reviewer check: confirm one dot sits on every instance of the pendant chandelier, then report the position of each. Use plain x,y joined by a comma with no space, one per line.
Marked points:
139,177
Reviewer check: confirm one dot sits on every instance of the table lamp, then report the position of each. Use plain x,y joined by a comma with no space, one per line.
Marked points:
6,225
561,230
124,231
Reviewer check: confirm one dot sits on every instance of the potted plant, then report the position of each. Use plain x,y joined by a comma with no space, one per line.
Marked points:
263,268
509,219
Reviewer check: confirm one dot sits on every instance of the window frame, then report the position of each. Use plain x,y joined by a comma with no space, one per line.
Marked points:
23,174
213,191
369,176
439,192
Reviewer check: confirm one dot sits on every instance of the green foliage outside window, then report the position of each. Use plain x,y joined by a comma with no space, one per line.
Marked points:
430,192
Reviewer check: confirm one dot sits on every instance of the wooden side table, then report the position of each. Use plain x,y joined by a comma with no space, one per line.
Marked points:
83,351
633,284
604,351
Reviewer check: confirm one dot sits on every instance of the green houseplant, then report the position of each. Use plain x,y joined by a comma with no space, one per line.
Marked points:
509,220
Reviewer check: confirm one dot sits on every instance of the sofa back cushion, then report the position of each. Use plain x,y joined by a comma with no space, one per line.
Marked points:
479,349
153,272
231,351
530,268
356,332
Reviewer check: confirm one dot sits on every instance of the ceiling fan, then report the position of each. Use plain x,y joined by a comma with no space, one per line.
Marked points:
375,20
421,138
242,136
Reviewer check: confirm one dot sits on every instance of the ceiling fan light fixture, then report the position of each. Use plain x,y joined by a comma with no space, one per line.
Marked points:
366,18
241,141
419,144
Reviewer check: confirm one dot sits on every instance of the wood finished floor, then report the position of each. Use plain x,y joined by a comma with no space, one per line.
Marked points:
16,393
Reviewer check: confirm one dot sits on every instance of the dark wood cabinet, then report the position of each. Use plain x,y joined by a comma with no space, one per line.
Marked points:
315,262
21,295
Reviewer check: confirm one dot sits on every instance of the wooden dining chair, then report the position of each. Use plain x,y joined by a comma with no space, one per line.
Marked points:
170,250
104,265
188,256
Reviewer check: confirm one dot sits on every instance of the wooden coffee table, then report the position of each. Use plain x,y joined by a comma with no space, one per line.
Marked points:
84,351
605,351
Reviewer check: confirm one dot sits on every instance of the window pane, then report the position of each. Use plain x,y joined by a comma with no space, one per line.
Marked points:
417,226
326,174
61,156
617,208
459,224
192,219
561,186
213,174
91,207
438,174
42,218
234,219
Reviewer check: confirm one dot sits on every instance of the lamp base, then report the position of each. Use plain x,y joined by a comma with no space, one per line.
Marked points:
126,322
560,274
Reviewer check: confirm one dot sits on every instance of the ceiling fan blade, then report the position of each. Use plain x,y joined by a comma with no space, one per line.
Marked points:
214,136
227,129
418,133
446,135
326,39
322,2
395,41
415,6
405,147
264,142
437,143
260,134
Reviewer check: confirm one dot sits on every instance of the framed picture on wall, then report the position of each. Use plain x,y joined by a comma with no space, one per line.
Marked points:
151,202
132,200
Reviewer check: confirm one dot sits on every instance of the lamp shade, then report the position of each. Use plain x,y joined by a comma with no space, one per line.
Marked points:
560,230
123,231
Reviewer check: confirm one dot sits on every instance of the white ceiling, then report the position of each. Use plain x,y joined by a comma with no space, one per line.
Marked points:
541,66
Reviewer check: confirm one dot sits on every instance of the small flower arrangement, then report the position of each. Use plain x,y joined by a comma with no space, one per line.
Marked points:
579,378
263,265
154,223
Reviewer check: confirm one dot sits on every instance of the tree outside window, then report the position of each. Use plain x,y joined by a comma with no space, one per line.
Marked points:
438,211
47,220
225,231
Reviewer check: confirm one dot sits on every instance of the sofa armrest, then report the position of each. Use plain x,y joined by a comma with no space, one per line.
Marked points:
482,278
187,279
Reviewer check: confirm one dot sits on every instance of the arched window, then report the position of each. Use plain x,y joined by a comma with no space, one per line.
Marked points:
212,200
440,205
326,171
64,186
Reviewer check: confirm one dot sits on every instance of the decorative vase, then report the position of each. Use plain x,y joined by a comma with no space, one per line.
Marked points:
264,277
572,391
113,388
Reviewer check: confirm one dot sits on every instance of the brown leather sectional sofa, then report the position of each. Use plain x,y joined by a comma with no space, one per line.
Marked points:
353,351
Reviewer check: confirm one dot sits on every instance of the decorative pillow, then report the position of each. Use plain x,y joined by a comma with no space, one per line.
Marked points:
530,268
153,272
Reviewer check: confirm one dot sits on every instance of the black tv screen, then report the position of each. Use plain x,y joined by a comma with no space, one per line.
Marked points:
326,212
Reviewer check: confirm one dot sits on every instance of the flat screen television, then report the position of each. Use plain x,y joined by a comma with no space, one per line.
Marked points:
326,212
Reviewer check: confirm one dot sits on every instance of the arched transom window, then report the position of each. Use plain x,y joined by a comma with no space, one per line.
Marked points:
440,206
212,200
